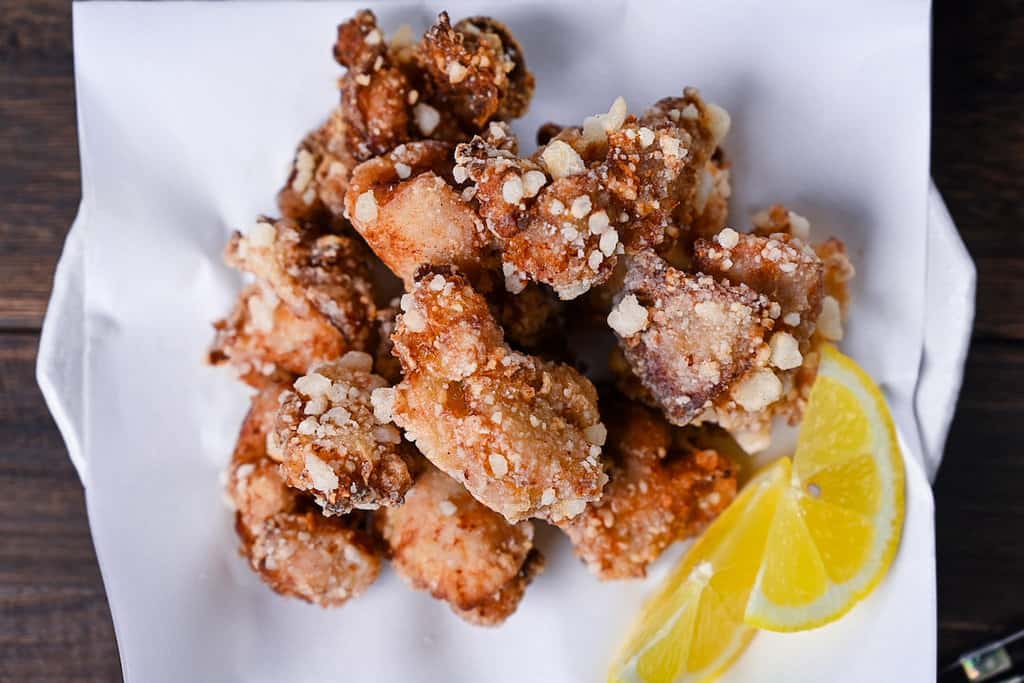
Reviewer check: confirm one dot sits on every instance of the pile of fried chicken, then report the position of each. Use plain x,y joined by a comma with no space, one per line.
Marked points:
429,430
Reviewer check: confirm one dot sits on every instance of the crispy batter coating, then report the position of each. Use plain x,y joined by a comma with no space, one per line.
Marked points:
523,435
781,267
315,189
448,87
707,125
442,540
565,215
476,70
659,492
334,447
264,341
293,548
687,337
404,206
312,272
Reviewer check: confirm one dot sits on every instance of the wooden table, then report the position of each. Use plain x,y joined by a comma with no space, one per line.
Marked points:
54,620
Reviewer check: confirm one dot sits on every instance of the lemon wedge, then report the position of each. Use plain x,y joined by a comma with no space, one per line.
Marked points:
692,629
837,526
803,542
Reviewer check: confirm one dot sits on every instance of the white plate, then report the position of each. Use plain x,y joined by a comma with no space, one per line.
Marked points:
188,114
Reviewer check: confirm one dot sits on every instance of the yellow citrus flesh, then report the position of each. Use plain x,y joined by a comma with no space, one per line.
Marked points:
692,629
837,525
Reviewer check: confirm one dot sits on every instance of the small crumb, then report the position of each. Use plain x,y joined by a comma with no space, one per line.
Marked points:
427,118
533,181
581,206
446,507
320,473
646,137
262,235
366,207
403,170
457,73
363,79
460,174
373,37
596,434
628,317
728,238
499,466
791,319
313,385
598,222
785,351
512,190
547,497
799,226
757,391
719,122
383,402
562,160
830,322
609,240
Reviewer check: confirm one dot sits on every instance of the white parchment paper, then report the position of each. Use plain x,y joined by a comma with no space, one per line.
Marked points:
188,116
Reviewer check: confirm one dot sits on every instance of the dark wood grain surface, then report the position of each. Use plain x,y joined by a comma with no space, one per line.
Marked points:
54,620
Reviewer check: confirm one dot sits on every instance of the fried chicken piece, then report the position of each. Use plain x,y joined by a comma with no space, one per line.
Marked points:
706,125
404,206
591,194
476,70
687,337
659,492
837,269
442,540
448,87
523,435
313,272
781,267
294,549
316,185
264,341
374,92
332,445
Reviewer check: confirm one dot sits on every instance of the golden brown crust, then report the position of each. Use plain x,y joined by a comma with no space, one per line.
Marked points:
292,547
408,212
264,341
315,189
448,87
659,492
332,445
443,541
476,70
781,267
565,215
523,435
687,337
312,271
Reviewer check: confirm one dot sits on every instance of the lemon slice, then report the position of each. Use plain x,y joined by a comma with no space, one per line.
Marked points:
692,629
837,526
